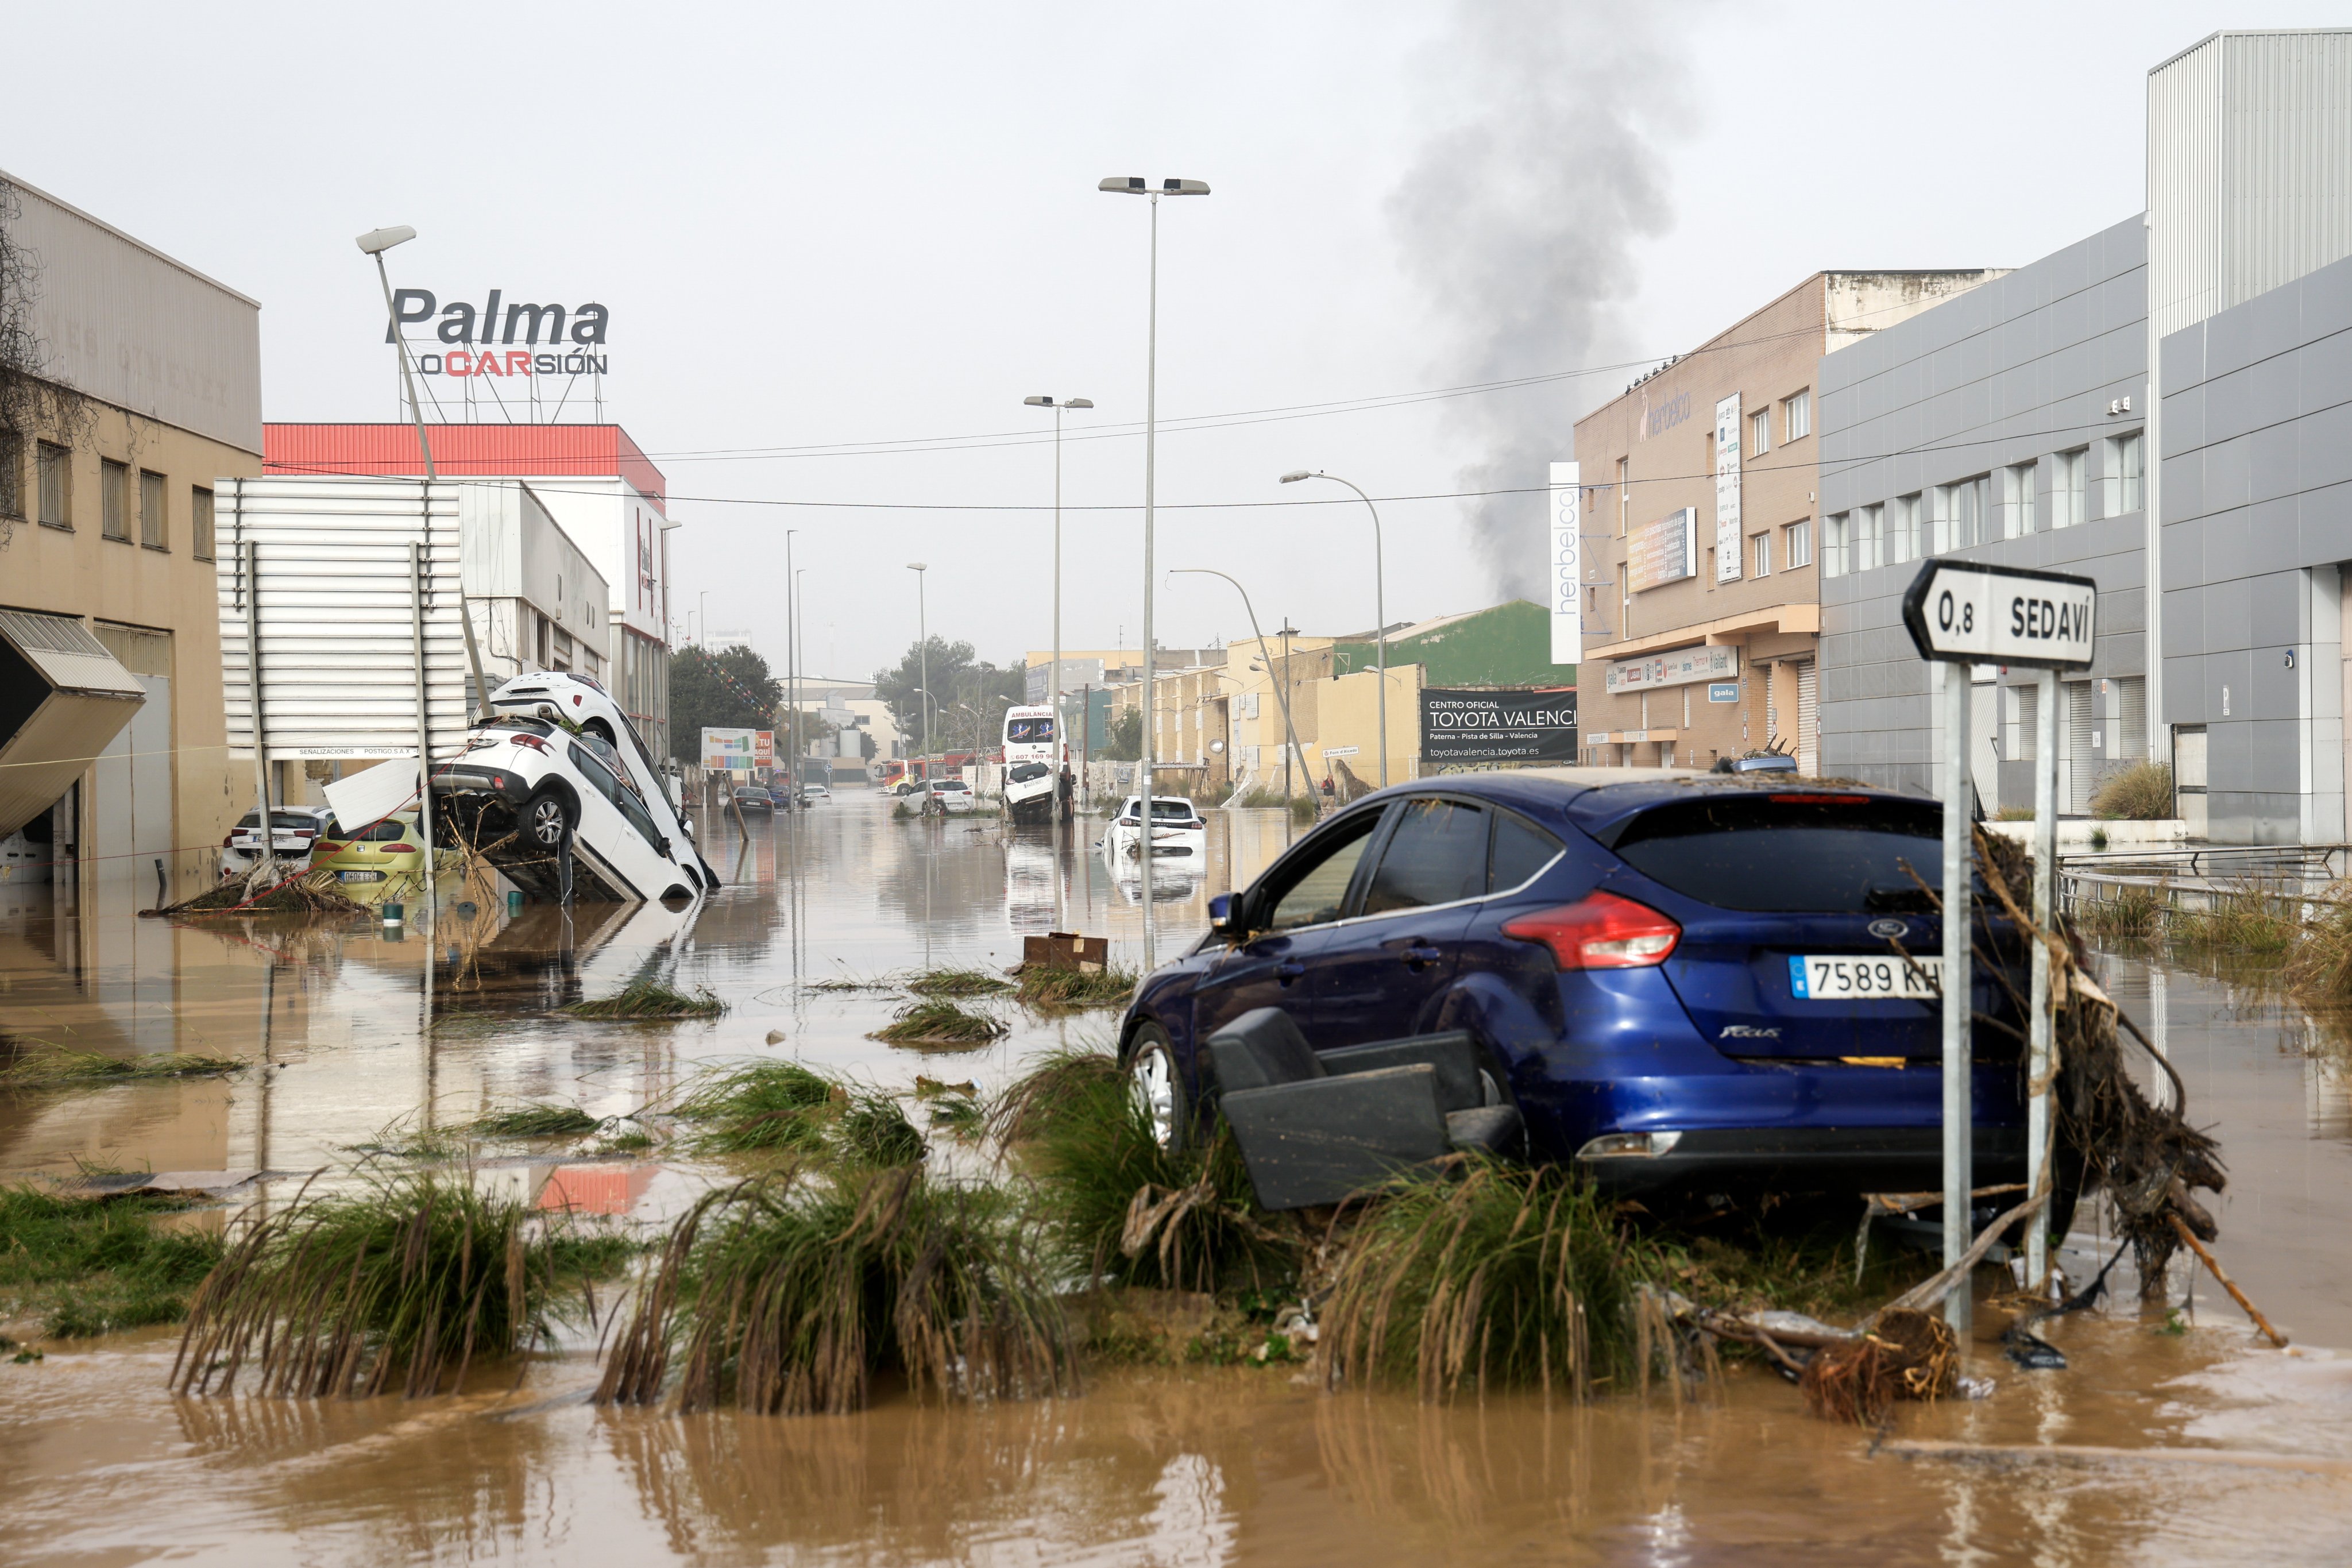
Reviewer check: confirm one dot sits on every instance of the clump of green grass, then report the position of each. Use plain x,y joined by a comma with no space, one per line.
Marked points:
94,1266
1500,1278
1068,990
765,1106
535,1121
2133,914
1125,1211
1022,1112
397,1286
788,1294
2141,792
2013,814
2247,921
959,983
849,982
960,1117
873,1130
786,1108
632,1140
2321,969
61,1067
650,999
936,1021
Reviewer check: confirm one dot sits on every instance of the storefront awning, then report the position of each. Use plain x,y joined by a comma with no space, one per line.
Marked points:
63,699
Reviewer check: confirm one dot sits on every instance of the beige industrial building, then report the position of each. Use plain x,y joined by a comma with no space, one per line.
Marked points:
117,765
1702,608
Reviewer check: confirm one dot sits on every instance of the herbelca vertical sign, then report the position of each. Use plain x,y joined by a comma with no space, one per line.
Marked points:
1567,563
1727,489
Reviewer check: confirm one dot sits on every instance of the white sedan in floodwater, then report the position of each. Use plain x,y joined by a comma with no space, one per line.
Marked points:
1178,829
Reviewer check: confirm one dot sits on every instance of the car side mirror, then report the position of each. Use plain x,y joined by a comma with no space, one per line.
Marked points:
1225,914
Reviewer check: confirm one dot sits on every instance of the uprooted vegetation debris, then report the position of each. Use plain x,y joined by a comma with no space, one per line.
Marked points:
86,1266
650,999
546,1120
786,1108
300,893
936,1021
788,1294
400,1286
958,982
1071,987
39,1065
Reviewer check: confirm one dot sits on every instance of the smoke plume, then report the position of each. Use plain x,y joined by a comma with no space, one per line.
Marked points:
1519,221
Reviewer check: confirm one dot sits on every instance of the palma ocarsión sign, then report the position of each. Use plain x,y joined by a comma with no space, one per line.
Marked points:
500,337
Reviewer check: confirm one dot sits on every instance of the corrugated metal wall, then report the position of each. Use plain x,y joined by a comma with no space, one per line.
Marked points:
338,674
129,326
2249,169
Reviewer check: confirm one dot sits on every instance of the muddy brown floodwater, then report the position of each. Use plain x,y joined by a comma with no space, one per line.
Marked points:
2236,1453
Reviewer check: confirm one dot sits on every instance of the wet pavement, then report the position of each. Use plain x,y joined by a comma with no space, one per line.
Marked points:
359,1030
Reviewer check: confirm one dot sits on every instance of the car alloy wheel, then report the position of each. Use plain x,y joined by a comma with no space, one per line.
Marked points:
1158,1093
543,820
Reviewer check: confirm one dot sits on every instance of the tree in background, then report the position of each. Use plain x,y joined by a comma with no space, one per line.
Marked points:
1123,739
985,688
729,690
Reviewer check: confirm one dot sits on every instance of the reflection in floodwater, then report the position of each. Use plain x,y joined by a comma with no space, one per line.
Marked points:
350,1030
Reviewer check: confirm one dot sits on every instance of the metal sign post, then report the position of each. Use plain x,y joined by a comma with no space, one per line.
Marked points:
1961,614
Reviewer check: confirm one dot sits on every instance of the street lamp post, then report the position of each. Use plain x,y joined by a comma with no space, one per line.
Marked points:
1053,679
1379,600
1282,693
1133,185
923,656
1286,633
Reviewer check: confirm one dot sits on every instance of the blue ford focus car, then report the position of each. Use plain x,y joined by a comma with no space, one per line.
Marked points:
1682,983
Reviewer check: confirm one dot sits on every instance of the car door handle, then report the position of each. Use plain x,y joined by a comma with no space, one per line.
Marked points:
1419,952
1288,969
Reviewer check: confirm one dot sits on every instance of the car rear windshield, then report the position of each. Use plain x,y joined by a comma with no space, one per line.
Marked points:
1796,853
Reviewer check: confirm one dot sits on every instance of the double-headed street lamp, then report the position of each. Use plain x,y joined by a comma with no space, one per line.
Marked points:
1054,680
1380,599
1133,185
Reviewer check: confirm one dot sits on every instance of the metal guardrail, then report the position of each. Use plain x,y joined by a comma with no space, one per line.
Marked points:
2200,879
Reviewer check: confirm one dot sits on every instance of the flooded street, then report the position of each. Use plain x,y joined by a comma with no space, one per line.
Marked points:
364,1034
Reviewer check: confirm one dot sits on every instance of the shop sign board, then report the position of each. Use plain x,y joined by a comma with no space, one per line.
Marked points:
1523,725
1566,565
738,751
1723,691
1663,550
1676,667
1727,489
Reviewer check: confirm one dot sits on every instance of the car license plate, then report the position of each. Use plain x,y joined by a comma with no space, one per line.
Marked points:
1857,977
361,876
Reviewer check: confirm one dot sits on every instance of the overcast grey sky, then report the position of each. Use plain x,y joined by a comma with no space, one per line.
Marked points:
879,223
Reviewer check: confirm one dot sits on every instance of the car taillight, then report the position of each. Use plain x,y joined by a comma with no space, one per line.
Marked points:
498,781
533,742
400,850
1600,931
323,848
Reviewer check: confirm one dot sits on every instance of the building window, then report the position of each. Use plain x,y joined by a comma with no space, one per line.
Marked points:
1833,544
54,473
1796,417
1760,432
114,500
200,523
1799,551
2017,500
2066,489
2121,481
12,474
1761,548
1960,514
1625,495
1869,537
1903,529
153,520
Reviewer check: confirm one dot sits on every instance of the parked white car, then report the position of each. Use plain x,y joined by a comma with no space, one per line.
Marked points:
292,830
1178,829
